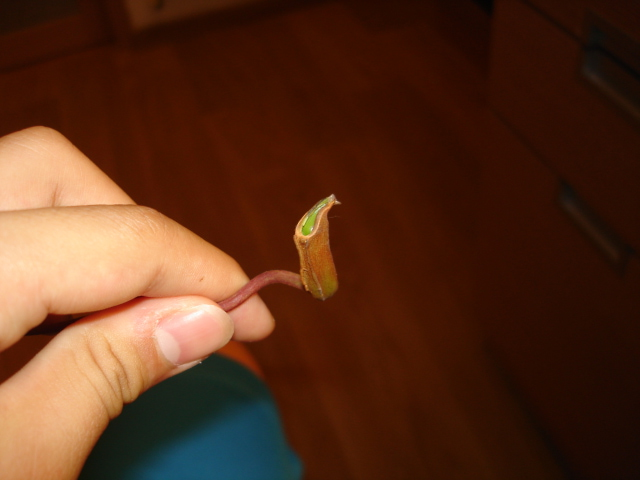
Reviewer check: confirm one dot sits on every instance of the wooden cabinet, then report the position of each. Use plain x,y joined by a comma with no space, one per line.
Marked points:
559,232
143,15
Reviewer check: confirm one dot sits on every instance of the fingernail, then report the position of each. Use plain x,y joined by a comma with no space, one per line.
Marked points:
193,333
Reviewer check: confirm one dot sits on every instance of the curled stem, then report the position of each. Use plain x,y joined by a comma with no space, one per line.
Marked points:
317,270
256,283
58,322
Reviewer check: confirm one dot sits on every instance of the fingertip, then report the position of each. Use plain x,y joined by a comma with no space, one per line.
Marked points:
193,333
253,320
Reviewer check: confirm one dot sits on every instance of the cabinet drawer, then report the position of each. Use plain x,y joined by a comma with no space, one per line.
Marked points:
562,324
572,15
537,87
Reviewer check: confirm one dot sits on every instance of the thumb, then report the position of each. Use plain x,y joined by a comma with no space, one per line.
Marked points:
54,410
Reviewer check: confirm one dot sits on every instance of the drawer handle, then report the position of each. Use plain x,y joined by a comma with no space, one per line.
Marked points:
601,236
611,63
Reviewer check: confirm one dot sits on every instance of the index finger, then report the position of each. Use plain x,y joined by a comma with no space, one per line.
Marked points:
86,258
39,167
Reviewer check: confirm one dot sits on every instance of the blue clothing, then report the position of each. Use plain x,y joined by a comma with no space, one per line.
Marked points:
214,421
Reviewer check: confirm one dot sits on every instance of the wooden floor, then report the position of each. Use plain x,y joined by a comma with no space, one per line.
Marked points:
235,131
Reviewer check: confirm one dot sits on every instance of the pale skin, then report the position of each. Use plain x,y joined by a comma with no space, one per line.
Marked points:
71,241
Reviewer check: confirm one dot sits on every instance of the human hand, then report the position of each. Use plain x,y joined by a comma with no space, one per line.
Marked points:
71,241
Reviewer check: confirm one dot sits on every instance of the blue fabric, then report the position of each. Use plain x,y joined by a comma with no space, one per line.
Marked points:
215,421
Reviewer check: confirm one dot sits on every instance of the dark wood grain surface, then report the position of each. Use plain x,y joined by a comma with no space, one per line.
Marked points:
236,131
